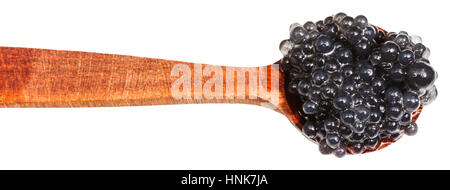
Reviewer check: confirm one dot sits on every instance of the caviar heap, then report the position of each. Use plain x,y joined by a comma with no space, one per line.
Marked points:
355,84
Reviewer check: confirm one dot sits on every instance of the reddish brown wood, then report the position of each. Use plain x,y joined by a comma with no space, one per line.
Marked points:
51,78
54,78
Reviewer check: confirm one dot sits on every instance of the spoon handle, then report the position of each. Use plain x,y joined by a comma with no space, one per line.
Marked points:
54,78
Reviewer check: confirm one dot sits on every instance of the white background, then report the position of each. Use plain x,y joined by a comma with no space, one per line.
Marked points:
237,33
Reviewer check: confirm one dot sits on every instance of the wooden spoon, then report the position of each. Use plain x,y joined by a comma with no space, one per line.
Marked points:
54,78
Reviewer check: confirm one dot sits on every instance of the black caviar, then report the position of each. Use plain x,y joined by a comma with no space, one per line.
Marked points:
355,85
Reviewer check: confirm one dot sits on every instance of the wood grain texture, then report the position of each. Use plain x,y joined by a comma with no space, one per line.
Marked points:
54,78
